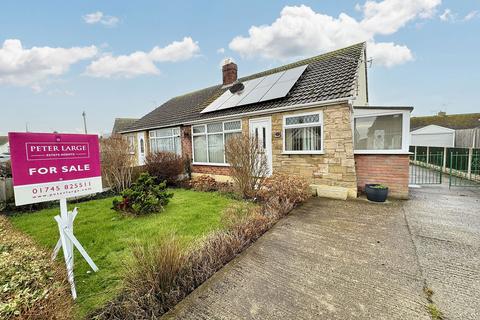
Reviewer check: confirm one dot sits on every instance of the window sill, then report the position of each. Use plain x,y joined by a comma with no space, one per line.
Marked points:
381,152
303,152
210,164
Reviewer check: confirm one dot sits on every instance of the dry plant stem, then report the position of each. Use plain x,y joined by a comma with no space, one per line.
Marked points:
117,163
248,164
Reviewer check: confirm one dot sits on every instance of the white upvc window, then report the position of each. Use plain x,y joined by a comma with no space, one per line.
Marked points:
381,132
208,141
303,133
165,140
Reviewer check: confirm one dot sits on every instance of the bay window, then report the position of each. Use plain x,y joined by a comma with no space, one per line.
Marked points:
303,133
165,140
209,140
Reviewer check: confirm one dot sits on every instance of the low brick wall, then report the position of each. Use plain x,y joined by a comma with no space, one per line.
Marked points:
216,170
388,169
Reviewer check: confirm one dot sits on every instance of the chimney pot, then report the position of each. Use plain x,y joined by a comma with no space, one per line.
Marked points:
229,72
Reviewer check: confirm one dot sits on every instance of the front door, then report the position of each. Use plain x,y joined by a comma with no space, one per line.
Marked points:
261,129
141,148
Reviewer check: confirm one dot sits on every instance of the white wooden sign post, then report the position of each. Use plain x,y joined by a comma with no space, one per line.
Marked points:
68,241
47,167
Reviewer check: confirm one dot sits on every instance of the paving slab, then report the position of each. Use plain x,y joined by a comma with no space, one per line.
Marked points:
328,259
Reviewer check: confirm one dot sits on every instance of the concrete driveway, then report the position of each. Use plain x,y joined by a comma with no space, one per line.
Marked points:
445,227
353,260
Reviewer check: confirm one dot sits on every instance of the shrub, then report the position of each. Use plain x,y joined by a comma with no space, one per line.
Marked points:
239,213
117,163
248,164
145,196
204,183
165,166
5,169
31,285
281,192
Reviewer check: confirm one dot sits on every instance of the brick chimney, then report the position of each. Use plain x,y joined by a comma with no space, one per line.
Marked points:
229,71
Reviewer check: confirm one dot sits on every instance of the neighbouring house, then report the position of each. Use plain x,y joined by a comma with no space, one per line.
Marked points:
312,118
442,130
121,124
433,139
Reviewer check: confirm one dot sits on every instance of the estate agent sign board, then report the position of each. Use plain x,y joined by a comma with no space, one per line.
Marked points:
48,167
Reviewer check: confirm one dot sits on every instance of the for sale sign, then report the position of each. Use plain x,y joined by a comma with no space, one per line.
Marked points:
48,166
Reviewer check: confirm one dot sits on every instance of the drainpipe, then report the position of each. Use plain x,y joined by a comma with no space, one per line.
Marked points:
415,154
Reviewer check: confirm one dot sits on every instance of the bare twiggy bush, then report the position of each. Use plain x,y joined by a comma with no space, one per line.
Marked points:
165,166
280,193
117,163
248,164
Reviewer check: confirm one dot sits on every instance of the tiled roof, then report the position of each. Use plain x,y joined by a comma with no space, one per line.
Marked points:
122,124
328,76
452,121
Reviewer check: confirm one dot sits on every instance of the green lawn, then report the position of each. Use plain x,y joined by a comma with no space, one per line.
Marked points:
107,235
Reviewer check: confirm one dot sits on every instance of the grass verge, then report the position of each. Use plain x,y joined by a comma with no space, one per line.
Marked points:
108,237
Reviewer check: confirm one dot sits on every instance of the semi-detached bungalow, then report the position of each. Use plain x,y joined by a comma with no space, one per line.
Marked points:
312,118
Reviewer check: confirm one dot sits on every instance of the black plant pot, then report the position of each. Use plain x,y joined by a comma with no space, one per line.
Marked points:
376,194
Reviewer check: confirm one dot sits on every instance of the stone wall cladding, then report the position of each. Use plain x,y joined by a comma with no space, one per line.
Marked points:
389,169
336,167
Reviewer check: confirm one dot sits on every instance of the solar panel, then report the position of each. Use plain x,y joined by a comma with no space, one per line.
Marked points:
237,97
284,84
261,89
273,86
218,102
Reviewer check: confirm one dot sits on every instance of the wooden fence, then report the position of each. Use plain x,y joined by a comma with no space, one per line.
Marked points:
467,138
6,190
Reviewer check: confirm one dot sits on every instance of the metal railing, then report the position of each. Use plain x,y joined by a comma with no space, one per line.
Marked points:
425,169
464,170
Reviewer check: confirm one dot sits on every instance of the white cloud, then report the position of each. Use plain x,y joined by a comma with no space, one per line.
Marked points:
388,16
126,66
300,31
99,17
176,51
140,62
471,15
447,16
221,50
389,54
33,67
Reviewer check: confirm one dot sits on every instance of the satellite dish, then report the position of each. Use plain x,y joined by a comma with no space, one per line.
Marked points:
237,87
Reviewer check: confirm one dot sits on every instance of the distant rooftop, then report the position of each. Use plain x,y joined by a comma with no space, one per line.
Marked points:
122,123
452,121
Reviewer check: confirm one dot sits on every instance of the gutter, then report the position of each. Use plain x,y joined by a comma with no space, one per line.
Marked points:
252,113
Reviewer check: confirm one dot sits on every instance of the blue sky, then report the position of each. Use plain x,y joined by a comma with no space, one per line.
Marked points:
58,58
